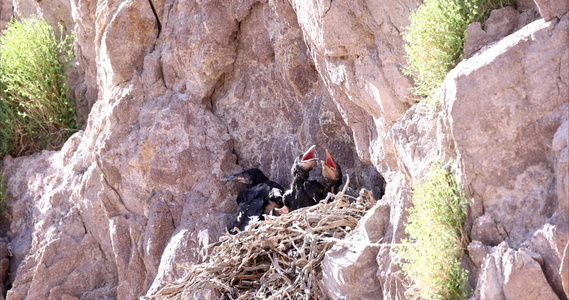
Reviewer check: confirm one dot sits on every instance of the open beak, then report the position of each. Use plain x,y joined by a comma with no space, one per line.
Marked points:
273,206
282,211
308,160
329,168
236,177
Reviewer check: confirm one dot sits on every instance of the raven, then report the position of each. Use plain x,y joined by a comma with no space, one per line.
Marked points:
260,197
332,174
296,196
304,192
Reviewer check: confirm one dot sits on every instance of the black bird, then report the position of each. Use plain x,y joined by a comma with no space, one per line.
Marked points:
302,192
260,197
332,174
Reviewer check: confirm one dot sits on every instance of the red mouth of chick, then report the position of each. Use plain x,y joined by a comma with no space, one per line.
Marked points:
330,161
309,154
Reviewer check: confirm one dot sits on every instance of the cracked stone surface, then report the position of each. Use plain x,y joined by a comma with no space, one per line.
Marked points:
181,93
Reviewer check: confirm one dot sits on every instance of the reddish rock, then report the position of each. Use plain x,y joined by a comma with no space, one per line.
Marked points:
349,267
564,270
6,13
360,64
188,92
476,38
174,113
510,274
501,22
521,194
550,9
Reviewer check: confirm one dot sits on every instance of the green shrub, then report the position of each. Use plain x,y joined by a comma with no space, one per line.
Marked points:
35,112
435,39
430,257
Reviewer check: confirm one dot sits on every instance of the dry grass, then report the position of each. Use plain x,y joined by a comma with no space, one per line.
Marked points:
278,258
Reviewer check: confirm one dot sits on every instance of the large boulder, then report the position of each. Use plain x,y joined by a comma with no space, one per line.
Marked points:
504,107
349,268
510,274
520,195
391,277
274,104
421,139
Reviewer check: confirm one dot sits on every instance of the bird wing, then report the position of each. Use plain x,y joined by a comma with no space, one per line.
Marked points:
314,189
243,196
251,202
258,198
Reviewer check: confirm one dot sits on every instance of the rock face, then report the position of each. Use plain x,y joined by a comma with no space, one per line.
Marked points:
182,93
5,13
359,62
501,132
347,268
510,274
517,199
552,9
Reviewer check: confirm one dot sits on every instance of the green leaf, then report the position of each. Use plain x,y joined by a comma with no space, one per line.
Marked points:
35,113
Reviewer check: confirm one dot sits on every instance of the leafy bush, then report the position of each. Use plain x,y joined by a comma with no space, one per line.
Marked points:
435,38
35,112
437,238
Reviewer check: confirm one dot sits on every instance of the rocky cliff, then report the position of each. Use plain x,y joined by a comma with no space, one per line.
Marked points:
176,94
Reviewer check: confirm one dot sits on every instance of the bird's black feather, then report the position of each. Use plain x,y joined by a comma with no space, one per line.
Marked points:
259,193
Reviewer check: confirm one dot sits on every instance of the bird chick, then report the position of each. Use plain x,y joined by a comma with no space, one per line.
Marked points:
332,174
296,196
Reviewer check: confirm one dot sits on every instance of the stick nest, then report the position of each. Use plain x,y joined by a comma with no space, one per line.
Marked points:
278,258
